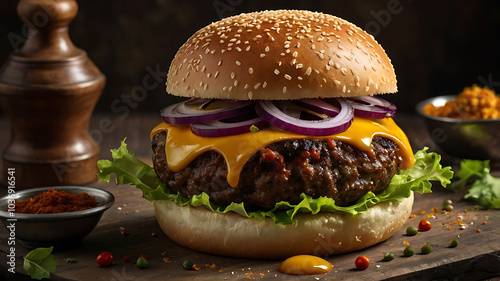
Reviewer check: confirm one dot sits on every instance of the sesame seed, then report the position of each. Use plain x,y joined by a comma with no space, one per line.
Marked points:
219,63
232,75
238,49
284,89
308,71
264,85
257,86
262,55
250,94
238,63
299,77
282,54
295,54
216,74
288,77
266,49
250,70
246,86
248,48
277,72
235,83
299,65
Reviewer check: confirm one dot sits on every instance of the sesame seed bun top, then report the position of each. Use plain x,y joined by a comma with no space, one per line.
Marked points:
283,54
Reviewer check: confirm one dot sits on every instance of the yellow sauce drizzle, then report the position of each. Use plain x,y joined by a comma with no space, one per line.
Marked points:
305,264
182,146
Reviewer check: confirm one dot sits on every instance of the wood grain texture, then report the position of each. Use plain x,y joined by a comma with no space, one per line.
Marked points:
476,257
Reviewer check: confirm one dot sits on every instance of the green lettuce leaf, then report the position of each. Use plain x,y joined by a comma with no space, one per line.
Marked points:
130,170
485,189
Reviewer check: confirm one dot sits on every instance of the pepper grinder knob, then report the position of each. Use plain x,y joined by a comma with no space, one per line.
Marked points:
48,90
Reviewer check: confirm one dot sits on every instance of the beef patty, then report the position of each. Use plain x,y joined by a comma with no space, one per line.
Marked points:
284,170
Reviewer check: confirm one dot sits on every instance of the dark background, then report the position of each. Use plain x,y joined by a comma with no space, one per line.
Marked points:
437,47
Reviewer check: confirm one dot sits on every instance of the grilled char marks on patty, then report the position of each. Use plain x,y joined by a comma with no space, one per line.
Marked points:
284,170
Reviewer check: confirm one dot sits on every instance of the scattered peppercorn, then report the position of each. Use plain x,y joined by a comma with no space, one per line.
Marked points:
426,249
408,252
411,231
141,263
424,225
362,262
104,259
447,202
388,256
187,264
453,243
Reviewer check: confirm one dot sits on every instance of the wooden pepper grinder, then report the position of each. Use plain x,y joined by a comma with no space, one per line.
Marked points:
48,91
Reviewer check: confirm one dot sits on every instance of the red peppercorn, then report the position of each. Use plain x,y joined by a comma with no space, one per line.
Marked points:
104,259
362,262
424,225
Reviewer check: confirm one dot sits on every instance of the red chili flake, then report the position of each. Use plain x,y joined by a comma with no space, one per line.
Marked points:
267,154
305,154
331,143
143,256
484,222
249,275
166,260
314,154
126,258
478,230
211,266
195,267
125,233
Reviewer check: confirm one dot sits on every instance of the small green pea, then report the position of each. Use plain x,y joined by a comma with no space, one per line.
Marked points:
141,263
408,252
454,243
411,231
446,203
187,264
388,256
448,208
426,249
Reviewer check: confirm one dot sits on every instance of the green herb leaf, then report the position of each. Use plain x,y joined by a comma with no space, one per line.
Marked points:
131,170
39,263
254,128
486,188
469,170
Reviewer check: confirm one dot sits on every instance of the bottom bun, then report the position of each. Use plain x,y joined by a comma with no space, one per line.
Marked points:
322,234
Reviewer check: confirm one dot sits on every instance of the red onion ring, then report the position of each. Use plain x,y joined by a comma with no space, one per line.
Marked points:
319,106
329,126
221,129
372,107
193,111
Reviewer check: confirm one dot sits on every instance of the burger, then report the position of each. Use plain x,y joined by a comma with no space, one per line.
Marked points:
281,147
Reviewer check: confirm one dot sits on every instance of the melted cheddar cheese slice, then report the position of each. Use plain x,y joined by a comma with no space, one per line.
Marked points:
182,146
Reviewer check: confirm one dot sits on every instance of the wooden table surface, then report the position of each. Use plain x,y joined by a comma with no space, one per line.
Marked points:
476,257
